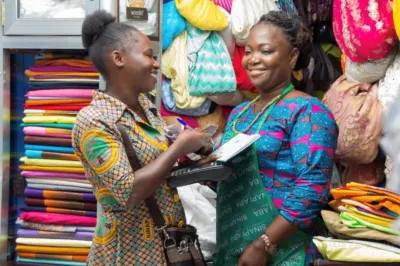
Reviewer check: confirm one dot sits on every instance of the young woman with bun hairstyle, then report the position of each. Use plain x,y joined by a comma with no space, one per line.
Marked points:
125,233
266,213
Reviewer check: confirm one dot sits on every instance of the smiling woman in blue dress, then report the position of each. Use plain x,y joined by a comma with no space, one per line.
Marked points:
267,211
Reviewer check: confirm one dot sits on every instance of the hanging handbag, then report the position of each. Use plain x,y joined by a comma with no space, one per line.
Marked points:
181,244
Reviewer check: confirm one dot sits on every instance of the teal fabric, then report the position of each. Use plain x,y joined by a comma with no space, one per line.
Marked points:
211,71
51,262
173,24
65,126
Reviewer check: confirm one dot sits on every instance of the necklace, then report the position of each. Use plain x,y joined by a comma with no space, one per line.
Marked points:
264,112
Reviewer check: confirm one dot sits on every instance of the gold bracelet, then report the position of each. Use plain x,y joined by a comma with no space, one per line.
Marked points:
269,247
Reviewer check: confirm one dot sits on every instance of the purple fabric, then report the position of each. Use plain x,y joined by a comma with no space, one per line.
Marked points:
56,235
62,69
88,197
37,193
33,193
52,174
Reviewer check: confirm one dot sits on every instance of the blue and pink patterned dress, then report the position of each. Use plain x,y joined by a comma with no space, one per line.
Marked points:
295,156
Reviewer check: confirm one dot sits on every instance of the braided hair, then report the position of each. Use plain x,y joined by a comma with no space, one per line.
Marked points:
298,35
101,34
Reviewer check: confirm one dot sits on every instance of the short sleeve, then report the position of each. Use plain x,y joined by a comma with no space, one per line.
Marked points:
313,142
101,151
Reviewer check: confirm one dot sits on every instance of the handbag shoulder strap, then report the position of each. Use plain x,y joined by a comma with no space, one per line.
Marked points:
151,202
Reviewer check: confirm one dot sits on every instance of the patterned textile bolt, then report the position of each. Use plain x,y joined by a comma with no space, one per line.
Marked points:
124,236
295,157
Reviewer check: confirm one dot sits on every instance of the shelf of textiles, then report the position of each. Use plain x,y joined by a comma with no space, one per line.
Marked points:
56,226
361,226
203,47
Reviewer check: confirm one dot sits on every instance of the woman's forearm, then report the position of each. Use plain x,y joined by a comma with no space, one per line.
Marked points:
280,230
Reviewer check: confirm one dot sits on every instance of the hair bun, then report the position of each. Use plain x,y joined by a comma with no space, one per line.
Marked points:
94,25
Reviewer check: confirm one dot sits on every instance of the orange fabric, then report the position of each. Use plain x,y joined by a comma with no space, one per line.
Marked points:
56,102
52,250
354,185
31,73
371,196
52,169
59,131
345,192
343,63
66,62
81,258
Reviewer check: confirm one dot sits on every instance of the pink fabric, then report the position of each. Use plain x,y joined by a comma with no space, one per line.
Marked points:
56,218
76,93
364,29
41,131
52,174
365,207
225,4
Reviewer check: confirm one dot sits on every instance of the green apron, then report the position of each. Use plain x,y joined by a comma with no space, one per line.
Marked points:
244,210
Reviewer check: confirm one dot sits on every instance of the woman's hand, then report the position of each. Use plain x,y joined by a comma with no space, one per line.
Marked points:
209,159
190,141
254,255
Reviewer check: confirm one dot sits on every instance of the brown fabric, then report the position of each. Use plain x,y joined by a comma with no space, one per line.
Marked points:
359,115
335,225
369,174
61,204
48,141
59,156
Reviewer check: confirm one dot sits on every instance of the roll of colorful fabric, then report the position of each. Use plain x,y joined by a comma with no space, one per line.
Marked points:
81,258
356,23
59,210
55,218
48,194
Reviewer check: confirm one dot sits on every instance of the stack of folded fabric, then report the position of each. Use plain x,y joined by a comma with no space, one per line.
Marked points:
362,226
57,225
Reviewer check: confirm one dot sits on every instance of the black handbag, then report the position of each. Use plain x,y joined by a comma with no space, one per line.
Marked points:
181,245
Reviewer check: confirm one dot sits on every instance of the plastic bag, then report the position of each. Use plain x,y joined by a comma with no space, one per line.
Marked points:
173,24
174,65
390,143
203,14
169,102
212,73
199,203
370,71
245,14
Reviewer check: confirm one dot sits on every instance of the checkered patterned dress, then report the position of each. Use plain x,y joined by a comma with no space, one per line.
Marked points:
124,236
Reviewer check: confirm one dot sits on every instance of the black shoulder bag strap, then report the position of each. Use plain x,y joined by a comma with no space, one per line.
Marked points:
151,202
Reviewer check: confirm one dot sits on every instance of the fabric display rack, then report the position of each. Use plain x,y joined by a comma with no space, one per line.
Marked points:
362,224
203,79
58,222
203,45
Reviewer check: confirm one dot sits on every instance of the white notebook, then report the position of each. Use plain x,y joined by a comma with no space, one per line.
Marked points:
235,146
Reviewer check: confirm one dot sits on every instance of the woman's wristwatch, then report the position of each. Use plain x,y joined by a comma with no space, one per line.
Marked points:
269,247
